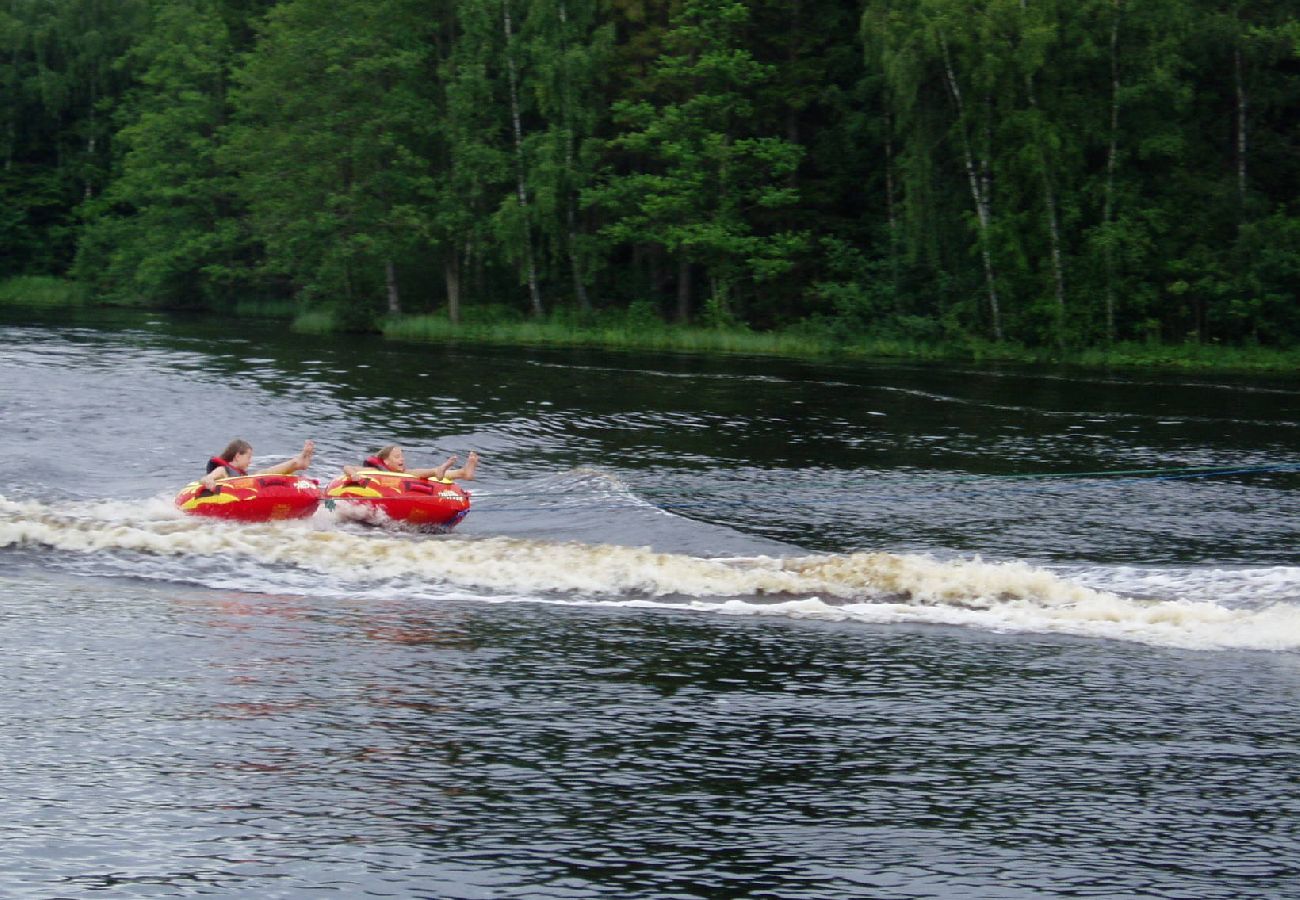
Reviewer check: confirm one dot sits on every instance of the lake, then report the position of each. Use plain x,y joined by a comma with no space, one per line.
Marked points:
714,627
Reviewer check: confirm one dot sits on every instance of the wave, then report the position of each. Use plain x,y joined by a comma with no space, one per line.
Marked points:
1195,608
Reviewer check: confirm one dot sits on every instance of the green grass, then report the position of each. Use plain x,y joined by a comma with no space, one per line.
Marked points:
635,333
1192,357
41,290
615,332
607,334
630,333
638,328
316,322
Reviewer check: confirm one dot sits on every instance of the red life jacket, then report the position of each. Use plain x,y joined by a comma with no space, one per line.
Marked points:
375,462
229,467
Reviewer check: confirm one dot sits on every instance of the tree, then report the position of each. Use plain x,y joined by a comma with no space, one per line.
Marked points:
569,50
522,223
693,173
60,79
471,163
939,47
331,134
166,230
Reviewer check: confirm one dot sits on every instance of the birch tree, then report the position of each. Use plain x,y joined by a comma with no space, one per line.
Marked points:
570,50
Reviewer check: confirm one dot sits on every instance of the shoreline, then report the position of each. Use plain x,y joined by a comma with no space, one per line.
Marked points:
620,331
1185,358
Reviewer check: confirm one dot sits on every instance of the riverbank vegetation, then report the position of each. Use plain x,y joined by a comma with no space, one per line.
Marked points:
1105,179
820,340
41,290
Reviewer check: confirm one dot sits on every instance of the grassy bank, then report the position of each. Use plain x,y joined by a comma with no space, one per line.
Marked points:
639,328
626,335
647,332
41,290
50,292
802,344
1191,358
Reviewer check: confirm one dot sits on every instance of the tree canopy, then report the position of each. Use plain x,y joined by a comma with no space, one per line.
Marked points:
1046,172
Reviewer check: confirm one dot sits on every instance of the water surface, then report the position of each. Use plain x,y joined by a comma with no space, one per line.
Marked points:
714,627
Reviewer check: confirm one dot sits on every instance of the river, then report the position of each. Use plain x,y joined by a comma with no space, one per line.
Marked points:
714,627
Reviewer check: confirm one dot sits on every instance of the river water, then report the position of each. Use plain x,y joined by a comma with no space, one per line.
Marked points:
713,628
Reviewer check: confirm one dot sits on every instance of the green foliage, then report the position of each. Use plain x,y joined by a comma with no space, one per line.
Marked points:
60,72
35,219
161,233
819,338
567,49
1265,306
329,140
41,290
703,176
643,316
318,321
1035,175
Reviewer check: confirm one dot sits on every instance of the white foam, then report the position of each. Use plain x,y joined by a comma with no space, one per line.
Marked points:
1202,608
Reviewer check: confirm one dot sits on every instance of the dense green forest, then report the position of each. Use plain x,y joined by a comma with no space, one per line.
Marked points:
1063,173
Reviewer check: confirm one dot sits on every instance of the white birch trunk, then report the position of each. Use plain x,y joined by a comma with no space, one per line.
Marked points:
978,189
1112,154
683,291
451,272
534,292
571,201
390,282
890,211
1053,222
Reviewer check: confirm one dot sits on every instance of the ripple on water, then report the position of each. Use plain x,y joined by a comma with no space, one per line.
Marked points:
321,712
579,753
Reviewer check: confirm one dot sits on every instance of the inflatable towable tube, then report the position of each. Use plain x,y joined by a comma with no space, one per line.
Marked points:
376,497
252,498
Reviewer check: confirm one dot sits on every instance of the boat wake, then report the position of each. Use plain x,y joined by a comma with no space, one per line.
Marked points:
1197,608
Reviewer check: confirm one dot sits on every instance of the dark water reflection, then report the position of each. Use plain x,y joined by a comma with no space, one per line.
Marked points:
174,743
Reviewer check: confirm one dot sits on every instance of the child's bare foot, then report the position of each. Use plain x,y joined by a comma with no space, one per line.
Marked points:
471,463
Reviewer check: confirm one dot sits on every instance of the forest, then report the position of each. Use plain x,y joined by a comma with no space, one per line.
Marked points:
1056,173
